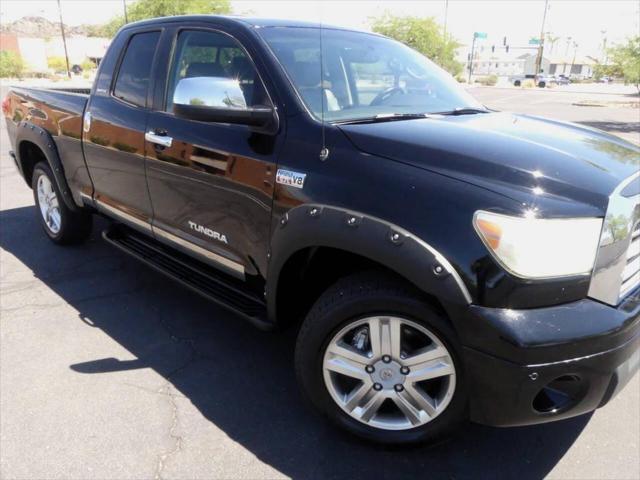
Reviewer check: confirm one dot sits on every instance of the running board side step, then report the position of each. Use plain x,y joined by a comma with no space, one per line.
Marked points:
218,287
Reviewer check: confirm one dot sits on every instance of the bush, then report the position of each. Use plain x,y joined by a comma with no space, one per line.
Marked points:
11,64
490,80
461,79
529,83
87,64
57,63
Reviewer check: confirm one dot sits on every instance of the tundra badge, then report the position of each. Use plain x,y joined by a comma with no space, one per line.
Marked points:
208,232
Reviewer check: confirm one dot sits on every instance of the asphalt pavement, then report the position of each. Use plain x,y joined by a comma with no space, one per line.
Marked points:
110,371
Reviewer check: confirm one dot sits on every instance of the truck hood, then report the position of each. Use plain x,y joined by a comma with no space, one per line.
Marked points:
529,159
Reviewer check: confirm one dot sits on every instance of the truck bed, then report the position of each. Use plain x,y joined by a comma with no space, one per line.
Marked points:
59,112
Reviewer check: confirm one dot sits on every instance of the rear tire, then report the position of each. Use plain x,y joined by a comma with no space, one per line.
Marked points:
62,225
353,305
516,83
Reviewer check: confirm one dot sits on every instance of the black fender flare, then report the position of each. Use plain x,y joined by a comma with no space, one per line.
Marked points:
39,136
371,237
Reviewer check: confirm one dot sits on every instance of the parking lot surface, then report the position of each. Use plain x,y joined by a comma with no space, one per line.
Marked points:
109,371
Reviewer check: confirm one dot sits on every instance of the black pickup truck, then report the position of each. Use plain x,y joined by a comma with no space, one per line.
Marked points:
441,261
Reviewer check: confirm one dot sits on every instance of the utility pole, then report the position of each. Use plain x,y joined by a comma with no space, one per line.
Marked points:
541,47
64,40
446,13
124,6
575,51
473,47
604,46
566,56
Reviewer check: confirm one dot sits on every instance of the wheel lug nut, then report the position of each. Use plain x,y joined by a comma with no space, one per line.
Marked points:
386,358
404,370
370,369
377,387
398,388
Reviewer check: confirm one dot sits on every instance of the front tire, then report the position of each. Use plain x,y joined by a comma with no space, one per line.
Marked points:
62,225
380,362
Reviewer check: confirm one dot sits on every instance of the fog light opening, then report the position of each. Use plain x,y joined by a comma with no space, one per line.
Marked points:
560,394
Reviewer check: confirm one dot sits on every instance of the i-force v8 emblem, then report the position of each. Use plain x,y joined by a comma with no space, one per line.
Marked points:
208,232
291,178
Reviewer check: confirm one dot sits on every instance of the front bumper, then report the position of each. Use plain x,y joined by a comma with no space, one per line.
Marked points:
534,366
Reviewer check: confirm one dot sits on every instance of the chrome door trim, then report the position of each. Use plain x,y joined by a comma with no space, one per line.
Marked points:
125,217
162,140
234,268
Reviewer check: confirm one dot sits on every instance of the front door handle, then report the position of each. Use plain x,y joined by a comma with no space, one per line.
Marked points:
162,140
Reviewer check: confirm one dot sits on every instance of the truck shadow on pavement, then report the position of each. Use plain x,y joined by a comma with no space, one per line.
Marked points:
242,380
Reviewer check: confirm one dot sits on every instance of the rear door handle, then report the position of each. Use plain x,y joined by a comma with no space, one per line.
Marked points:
162,140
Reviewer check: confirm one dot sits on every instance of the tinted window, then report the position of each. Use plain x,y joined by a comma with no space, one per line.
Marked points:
210,54
133,77
359,75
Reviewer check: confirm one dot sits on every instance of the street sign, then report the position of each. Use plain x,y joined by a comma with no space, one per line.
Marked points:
534,41
480,35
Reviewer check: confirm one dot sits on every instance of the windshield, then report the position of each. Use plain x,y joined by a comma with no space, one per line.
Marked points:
363,75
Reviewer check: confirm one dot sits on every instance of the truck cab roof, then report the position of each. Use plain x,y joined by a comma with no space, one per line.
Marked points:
252,22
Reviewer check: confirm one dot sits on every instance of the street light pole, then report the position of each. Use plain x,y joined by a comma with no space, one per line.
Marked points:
64,40
541,47
124,6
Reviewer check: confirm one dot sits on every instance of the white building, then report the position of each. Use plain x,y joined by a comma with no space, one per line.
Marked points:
79,48
32,52
500,64
575,67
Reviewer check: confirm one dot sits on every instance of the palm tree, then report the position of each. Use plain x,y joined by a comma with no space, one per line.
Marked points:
552,40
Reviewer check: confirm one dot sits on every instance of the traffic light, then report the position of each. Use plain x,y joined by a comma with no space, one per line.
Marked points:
504,41
507,48
493,48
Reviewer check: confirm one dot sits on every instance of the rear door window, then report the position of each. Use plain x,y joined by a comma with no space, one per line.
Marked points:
134,74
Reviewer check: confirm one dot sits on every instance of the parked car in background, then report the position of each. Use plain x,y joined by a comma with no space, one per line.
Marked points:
439,261
562,80
539,80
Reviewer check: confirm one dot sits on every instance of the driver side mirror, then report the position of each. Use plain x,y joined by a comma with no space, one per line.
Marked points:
220,100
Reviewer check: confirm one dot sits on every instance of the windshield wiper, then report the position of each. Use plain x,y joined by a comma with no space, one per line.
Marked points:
384,117
463,111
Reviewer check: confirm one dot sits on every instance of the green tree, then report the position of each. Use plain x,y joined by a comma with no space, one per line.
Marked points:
423,35
625,59
11,64
142,9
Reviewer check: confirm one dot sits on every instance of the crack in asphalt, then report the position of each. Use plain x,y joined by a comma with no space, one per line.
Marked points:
162,458
165,391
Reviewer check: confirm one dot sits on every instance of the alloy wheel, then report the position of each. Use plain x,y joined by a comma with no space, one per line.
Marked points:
48,203
389,373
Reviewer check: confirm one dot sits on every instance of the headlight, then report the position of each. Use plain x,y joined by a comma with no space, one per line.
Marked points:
532,247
